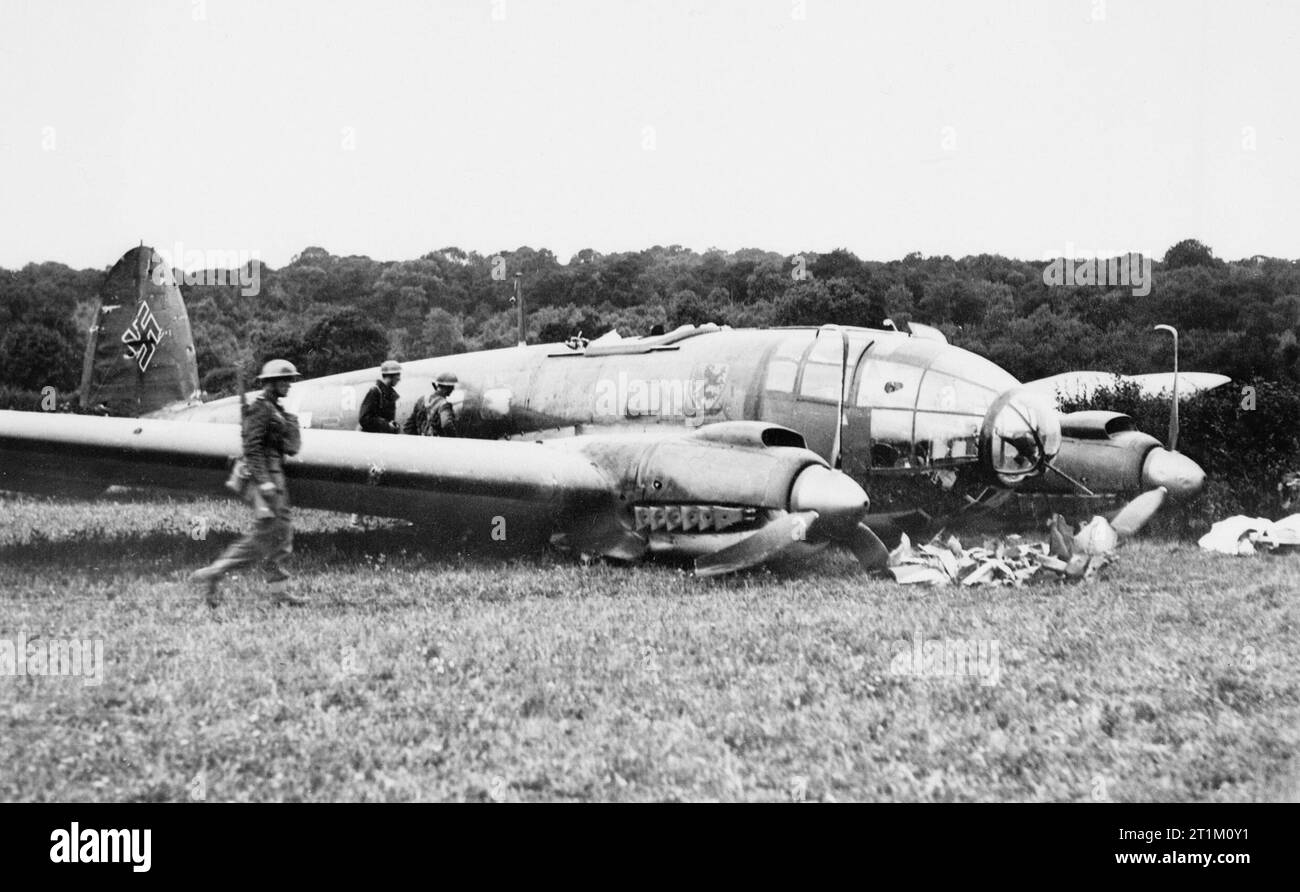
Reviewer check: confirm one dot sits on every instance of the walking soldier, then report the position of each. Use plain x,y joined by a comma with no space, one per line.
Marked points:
269,434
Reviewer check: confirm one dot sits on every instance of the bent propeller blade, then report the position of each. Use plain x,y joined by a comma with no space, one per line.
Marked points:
768,543
1134,516
867,548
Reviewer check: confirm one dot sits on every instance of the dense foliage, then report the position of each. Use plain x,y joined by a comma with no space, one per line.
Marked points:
332,313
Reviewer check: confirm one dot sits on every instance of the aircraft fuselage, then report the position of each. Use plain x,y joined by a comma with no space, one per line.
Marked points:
912,406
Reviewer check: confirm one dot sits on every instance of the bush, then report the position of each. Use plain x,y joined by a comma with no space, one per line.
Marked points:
21,399
223,382
34,356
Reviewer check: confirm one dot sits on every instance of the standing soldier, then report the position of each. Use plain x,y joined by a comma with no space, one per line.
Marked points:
379,409
433,415
269,434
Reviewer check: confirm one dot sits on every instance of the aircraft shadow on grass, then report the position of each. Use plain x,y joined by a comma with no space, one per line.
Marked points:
148,553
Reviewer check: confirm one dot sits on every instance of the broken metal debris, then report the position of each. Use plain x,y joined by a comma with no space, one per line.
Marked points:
1008,561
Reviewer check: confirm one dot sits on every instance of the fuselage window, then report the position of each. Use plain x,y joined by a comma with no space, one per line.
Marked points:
821,381
969,367
887,385
781,374
783,367
944,393
828,347
794,346
891,438
947,438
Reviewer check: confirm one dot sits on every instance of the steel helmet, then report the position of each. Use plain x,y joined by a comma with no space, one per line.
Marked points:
391,367
446,379
278,368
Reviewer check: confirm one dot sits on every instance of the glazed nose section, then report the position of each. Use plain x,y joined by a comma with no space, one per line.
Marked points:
1174,471
839,502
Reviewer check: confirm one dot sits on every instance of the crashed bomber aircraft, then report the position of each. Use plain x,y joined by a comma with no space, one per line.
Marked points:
732,447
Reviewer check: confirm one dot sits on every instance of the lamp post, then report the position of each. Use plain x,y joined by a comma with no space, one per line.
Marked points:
1173,411
518,301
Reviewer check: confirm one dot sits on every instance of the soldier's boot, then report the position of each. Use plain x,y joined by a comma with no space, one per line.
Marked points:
206,580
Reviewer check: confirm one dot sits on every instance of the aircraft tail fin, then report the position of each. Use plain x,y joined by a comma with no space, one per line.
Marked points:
140,354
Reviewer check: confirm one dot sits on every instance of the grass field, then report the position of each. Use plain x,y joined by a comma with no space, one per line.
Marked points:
423,673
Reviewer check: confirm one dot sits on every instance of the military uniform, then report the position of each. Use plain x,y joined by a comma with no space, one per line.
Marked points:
379,409
269,434
433,416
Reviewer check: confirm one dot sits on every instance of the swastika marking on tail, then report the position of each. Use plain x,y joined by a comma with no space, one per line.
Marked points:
142,337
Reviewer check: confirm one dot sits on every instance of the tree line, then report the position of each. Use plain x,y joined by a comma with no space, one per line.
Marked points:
331,313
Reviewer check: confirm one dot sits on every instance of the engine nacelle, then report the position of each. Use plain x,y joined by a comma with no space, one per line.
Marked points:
709,468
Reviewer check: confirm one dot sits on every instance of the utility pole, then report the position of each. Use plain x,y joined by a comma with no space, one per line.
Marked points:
1172,443
518,301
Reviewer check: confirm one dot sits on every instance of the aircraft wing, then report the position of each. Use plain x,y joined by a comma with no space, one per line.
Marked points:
730,495
1083,384
421,479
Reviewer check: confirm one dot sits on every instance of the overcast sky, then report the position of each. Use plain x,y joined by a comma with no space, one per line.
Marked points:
395,128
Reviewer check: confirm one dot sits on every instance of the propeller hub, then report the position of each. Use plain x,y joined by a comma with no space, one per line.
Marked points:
1174,471
838,500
